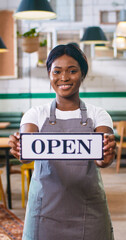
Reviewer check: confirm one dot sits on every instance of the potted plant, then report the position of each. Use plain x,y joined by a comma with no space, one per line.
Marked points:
42,52
30,40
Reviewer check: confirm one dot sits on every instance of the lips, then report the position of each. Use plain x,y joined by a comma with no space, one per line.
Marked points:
65,86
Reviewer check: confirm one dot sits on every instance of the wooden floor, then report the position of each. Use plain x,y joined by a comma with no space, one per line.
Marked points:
115,188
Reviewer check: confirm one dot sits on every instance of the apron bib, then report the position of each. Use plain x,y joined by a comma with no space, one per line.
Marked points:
66,198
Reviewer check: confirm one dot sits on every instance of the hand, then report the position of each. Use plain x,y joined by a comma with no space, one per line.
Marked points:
14,143
109,151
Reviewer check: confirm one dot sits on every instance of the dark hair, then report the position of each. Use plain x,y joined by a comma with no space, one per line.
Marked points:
72,51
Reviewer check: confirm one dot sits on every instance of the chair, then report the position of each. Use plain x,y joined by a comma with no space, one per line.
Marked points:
2,194
121,131
25,171
11,162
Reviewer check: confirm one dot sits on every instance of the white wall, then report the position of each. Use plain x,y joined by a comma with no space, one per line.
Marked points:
9,4
107,75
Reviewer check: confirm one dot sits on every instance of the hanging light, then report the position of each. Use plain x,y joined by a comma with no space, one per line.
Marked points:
2,46
94,35
121,27
119,43
101,47
34,10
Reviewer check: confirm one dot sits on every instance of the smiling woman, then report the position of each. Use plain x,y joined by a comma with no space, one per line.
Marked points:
65,76
67,67
66,197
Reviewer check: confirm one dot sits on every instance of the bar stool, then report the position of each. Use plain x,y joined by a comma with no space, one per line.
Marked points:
121,130
4,146
2,194
25,171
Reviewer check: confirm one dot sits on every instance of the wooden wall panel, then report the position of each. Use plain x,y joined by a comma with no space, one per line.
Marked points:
7,32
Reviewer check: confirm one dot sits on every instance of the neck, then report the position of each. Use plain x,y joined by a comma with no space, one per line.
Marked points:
67,104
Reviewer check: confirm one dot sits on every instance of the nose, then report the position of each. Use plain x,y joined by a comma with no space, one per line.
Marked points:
64,76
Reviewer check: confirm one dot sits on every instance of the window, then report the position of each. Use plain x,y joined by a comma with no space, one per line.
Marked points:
109,17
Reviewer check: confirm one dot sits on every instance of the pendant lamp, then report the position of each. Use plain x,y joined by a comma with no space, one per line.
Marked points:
121,27
94,35
101,46
119,43
2,46
34,10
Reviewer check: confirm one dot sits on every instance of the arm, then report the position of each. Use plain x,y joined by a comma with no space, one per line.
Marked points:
14,142
109,146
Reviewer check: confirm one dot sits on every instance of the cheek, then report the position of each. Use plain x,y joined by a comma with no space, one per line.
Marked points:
78,80
51,78
53,83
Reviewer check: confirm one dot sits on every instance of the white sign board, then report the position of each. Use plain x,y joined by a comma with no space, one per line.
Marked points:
61,146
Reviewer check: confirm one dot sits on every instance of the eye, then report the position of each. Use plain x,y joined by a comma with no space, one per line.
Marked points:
56,72
73,71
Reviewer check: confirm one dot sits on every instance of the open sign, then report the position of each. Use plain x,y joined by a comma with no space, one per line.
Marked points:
61,146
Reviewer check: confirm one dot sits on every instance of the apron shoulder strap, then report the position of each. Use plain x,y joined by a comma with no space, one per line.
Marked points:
52,119
83,113
82,108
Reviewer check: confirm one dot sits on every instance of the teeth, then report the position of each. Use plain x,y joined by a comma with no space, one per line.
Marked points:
64,86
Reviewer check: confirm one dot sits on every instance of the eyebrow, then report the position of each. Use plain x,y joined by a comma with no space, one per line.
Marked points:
68,67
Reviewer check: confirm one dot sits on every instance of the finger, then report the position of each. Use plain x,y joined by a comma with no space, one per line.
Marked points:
14,137
108,138
111,137
14,145
13,140
17,135
110,145
110,152
16,154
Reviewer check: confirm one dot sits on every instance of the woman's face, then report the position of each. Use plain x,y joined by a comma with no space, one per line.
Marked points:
65,76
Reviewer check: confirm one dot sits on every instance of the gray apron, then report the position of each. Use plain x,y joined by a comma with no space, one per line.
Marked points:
66,198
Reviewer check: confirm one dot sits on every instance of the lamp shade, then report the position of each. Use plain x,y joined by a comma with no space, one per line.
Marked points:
101,46
119,43
94,35
121,29
2,46
34,10
121,26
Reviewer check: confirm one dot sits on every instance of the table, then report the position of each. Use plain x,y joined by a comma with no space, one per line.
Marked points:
4,124
4,146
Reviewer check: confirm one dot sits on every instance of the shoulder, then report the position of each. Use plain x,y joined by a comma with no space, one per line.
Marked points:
36,115
99,116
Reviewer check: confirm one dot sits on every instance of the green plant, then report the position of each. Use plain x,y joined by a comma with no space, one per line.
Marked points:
43,43
31,33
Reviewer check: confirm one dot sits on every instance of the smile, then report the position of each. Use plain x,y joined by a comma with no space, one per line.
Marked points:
65,86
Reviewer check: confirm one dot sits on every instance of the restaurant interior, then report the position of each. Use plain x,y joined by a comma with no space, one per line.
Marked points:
27,34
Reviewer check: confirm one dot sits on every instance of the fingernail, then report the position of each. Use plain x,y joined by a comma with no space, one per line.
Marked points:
18,148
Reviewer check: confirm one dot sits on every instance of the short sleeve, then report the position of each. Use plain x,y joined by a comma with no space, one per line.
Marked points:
102,118
31,116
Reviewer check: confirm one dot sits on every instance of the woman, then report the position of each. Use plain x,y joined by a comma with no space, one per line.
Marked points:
66,198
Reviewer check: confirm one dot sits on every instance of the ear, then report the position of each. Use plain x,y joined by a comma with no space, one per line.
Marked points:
82,78
49,73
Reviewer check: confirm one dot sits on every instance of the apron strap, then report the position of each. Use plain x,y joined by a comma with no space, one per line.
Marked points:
83,109
52,119
83,113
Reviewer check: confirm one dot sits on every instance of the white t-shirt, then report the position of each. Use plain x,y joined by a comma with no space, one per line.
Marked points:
37,115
